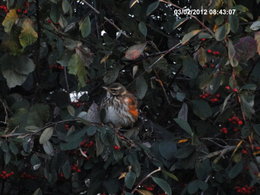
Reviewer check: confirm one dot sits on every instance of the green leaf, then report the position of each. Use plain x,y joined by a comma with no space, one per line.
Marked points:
48,148
130,179
235,170
66,169
35,160
222,32
167,149
247,101
255,26
153,6
189,35
193,187
28,35
257,128
9,20
46,135
111,75
85,27
202,109
184,125
174,177
71,110
38,191
250,86
231,54
163,185
54,14
13,148
77,67
190,67
184,152
142,28
234,23
141,87
91,130
7,157
15,69
66,6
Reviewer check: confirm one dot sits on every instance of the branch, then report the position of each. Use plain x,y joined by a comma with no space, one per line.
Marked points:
106,19
145,178
6,112
219,152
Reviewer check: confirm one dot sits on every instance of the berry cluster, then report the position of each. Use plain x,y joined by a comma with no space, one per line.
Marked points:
4,8
87,144
78,103
5,174
230,89
245,189
22,11
213,52
211,98
75,168
234,123
56,66
149,187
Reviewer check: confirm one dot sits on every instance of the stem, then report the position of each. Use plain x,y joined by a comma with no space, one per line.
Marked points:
145,178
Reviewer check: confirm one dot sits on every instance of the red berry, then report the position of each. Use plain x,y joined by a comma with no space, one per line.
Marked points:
228,87
244,151
203,39
240,122
25,11
209,51
4,172
116,147
212,65
235,90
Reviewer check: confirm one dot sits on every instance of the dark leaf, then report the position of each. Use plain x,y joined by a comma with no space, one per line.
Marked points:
184,125
167,149
202,109
222,32
163,185
235,170
130,179
142,28
85,27
153,6
141,87
46,135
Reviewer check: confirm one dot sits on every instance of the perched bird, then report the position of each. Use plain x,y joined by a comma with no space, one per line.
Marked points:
119,106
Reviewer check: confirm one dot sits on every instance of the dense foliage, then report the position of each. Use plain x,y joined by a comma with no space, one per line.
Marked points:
196,77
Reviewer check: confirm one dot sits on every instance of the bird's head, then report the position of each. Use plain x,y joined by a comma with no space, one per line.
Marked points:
115,89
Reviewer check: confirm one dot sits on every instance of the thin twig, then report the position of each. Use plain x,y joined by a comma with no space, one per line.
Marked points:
106,19
145,178
66,79
219,152
6,112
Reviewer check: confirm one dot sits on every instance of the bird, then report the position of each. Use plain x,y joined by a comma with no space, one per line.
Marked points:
119,106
